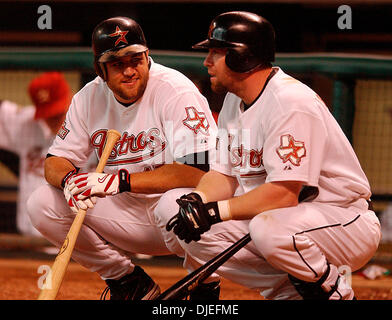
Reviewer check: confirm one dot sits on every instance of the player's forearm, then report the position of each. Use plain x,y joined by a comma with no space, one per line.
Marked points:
216,186
166,177
265,197
55,170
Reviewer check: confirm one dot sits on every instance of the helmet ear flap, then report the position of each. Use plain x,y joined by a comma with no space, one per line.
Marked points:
240,59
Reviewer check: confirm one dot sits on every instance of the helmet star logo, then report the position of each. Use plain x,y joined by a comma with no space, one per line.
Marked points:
291,150
120,34
196,121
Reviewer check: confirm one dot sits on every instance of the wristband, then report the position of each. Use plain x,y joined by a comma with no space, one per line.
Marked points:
224,210
202,196
124,181
67,176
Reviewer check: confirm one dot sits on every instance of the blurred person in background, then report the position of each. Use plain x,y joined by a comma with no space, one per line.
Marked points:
29,131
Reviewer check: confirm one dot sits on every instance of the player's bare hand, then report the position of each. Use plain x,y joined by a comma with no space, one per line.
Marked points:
86,185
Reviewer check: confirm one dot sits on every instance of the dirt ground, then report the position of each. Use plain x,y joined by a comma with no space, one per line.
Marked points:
19,279
23,265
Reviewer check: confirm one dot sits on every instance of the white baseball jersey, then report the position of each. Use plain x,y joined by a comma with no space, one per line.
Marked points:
30,140
171,119
288,134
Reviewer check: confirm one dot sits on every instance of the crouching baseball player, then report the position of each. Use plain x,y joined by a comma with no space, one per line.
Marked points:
167,131
297,180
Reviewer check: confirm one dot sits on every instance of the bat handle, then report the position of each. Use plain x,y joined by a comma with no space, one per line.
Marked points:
187,284
112,137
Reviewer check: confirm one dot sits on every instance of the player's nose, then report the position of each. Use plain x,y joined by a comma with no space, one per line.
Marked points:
129,71
208,60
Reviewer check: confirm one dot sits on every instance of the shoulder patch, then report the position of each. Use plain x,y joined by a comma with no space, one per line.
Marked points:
291,150
63,131
196,121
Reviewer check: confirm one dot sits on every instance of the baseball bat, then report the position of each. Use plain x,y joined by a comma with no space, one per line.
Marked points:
49,290
186,285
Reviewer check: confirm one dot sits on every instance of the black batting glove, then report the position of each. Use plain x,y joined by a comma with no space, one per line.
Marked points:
193,218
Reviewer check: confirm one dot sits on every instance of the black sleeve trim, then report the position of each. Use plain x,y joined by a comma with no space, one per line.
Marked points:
49,155
197,160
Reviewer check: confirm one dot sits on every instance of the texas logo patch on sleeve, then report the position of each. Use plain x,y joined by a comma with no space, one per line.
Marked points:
62,133
196,121
291,150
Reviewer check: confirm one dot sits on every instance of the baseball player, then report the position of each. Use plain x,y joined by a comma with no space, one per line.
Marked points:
29,131
167,130
283,165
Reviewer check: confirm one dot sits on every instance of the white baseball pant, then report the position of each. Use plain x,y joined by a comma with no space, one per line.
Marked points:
117,227
298,240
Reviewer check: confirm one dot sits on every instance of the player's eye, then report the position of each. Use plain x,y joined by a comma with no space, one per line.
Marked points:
135,61
117,64
220,52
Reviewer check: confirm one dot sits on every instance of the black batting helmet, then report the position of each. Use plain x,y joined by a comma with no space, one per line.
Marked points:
116,37
249,38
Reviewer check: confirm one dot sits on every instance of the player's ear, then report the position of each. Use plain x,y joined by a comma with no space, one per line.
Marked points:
146,53
104,71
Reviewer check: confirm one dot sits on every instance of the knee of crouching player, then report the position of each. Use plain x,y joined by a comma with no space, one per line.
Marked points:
270,236
35,207
166,208
44,202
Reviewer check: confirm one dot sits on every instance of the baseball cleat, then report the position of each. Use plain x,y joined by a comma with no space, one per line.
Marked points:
330,286
134,286
206,291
